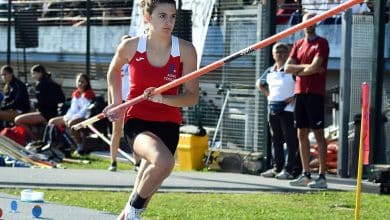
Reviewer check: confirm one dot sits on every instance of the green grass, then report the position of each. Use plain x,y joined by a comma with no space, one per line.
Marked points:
101,163
97,162
318,205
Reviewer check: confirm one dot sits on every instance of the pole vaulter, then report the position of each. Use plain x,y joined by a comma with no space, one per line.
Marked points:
261,44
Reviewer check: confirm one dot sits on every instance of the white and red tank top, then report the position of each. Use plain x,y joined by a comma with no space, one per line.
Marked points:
144,75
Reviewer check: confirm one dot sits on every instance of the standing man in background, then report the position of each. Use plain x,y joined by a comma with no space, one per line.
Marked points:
308,61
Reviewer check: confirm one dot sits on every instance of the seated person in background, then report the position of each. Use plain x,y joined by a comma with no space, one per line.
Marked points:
285,9
49,94
361,8
327,5
16,100
370,5
81,98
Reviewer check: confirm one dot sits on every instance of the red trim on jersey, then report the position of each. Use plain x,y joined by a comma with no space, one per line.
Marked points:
89,94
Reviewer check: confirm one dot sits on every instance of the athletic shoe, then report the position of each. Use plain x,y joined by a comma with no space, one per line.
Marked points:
271,173
302,180
132,213
284,175
319,183
112,167
77,153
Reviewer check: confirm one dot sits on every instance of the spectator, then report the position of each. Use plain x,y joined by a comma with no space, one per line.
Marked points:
16,100
327,5
279,89
48,94
81,98
308,61
152,126
361,8
117,126
370,5
285,9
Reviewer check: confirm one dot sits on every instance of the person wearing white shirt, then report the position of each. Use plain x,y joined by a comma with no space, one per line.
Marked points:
78,111
279,89
361,8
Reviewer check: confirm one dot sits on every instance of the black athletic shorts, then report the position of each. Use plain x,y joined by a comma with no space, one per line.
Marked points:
168,132
309,111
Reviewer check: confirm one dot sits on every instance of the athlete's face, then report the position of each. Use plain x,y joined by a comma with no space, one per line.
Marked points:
163,18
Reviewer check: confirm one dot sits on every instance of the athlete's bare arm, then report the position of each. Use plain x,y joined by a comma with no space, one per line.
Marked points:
123,55
190,94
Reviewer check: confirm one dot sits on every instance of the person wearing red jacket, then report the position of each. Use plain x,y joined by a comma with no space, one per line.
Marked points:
81,98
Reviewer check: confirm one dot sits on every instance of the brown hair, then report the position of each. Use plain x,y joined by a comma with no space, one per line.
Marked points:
86,77
9,70
40,69
150,5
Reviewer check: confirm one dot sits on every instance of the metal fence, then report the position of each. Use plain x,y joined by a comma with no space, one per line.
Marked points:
67,37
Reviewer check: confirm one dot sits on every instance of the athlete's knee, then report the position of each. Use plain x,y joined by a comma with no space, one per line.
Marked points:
166,164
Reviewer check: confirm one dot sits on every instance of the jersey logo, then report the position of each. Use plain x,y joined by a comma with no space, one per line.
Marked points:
171,69
139,59
171,73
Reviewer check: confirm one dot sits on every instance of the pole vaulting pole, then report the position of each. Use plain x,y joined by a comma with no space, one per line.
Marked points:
105,139
266,42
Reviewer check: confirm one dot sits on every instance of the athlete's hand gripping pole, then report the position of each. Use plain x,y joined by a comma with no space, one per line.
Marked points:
261,44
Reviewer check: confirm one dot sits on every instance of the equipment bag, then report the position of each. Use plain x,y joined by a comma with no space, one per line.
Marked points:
16,133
